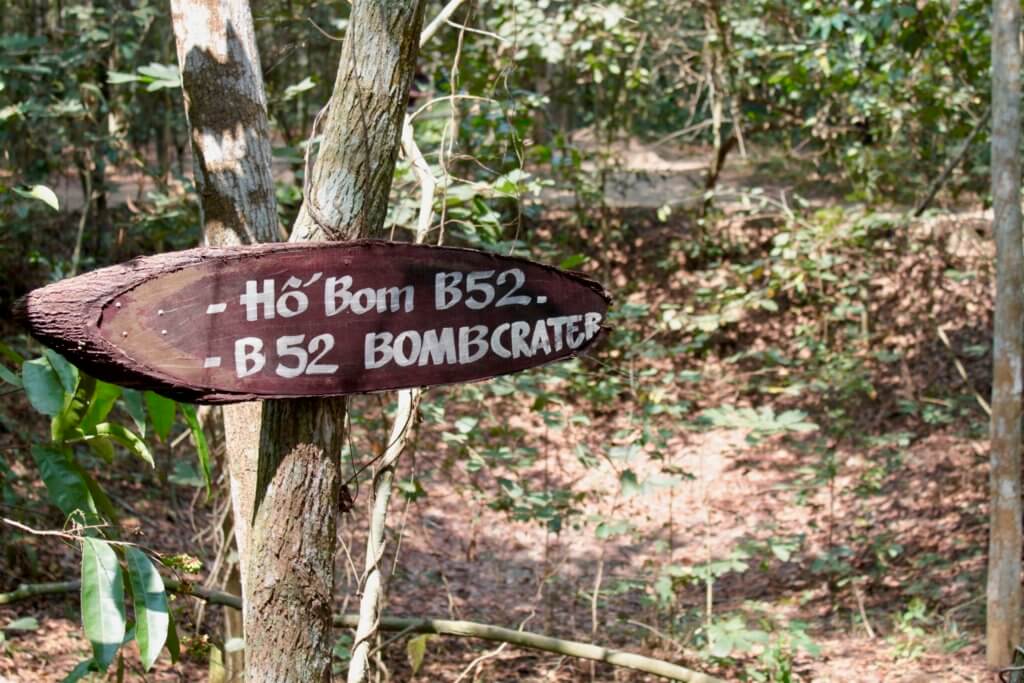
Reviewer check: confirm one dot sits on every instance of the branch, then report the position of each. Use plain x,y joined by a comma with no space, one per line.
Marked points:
366,623
535,641
405,414
953,162
31,590
439,21
444,627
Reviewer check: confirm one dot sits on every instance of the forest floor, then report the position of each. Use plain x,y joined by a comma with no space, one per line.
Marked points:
853,551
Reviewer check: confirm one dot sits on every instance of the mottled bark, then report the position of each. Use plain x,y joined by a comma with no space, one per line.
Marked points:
290,573
227,114
1003,621
291,577
351,180
226,108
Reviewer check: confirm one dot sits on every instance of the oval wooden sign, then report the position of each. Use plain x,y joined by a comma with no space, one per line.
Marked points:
319,319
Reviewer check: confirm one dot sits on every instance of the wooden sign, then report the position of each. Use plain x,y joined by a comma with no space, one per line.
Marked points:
318,319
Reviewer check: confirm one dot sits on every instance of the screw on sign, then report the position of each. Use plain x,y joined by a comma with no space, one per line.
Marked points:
286,320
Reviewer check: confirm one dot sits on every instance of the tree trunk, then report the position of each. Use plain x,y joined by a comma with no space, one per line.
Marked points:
349,186
291,568
226,109
288,553
289,576
1003,622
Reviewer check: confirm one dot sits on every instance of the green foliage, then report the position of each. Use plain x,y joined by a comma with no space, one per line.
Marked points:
760,423
416,649
80,407
149,600
102,600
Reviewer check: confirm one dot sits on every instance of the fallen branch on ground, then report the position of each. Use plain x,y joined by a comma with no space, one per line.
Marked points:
444,627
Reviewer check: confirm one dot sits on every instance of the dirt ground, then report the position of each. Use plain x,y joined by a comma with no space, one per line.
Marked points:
454,556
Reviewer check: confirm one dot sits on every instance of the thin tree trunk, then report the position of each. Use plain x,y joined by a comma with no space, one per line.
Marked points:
290,575
1003,622
226,109
292,502
350,183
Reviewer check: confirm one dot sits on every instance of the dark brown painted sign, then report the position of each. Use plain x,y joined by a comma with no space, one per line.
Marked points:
321,319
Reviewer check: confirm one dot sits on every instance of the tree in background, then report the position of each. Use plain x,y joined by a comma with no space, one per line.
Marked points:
1003,622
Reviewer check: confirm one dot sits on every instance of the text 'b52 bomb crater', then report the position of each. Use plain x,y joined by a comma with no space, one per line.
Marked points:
287,320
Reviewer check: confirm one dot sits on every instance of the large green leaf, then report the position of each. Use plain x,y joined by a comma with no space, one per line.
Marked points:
74,410
161,413
136,407
103,400
102,600
126,438
67,372
202,450
67,489
150,602
43,387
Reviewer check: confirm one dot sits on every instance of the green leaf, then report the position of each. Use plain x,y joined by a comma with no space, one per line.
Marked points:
416,648
9,377
68,491
102,448
118,77
202,449
74,410
302,86
136,407
99,496
43,387
629,483
102,600
10,354
149,600
42,193
126,438
161,72
79,672
161,413
173,644
66,372
23,624
103,400
573,261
